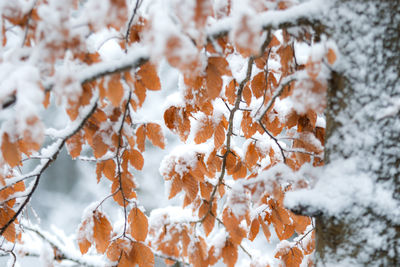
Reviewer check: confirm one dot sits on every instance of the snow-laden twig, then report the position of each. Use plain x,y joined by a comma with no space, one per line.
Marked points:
51,152
304,14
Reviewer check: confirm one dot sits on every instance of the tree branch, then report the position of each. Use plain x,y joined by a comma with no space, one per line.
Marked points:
58,146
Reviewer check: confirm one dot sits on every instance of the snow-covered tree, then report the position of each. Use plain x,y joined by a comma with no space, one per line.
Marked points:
247,87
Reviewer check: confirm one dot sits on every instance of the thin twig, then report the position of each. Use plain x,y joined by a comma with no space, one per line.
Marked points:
278,91
61,255
229,133
51,159
27,23
119,160
128,31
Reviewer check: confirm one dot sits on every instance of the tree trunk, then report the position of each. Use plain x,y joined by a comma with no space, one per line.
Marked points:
363,127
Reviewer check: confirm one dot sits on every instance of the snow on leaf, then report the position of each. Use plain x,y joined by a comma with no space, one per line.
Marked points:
265,228
291,256
229,254
230,92
10,151
205,131
177,120
101,231
74,145
141,255
252,155
232,225
116,248
258,84
149,77
254,228
83,242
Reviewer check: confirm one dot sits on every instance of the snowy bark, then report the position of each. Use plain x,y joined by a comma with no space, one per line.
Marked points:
363,131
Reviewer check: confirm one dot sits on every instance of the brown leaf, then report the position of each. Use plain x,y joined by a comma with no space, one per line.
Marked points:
138,224
254,228
265,229
99,147
115,90
221,65
74,145
46,100
176,187
291,257
232,225
10,150
231,161
127,186
190,185
116,248
209,220
300,223
177,120
99,170
83,243
230,92
198,257
101,231
247,94
249,126
109,169
252,155
136,159
213,81
205,131
219,135
206,189
239,171
258,84
6,214
309,246
141,137
148,75
140,92
142,255
155,135
331,56
229,254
